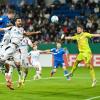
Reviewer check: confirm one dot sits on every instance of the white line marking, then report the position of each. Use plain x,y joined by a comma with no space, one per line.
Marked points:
2,83
47,78
92,98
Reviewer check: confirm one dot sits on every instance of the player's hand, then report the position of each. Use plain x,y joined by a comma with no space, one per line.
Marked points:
62,36
38,32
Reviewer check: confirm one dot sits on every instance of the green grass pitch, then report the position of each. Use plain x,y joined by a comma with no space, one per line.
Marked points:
56,88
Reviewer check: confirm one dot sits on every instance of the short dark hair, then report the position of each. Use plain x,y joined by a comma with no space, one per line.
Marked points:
81,26
17,18
10,11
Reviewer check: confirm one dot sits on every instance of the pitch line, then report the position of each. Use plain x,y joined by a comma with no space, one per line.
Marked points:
93,98
47,78
2,83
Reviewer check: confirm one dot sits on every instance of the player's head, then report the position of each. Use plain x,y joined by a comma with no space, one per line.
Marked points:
58,44
79,28
35,46
18,22
10,13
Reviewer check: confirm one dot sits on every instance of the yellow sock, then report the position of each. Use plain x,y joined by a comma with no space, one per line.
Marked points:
74,67
92,72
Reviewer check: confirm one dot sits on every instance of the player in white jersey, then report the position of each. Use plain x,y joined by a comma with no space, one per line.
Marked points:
34,61
3,45
24,50
16,35
25,43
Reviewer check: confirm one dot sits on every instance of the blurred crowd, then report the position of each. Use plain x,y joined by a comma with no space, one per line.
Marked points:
37,17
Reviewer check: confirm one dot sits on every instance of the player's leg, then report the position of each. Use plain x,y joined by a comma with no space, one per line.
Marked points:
54,70
38,71
89,65
24,68
65,70
78,60
19,73
17,62
8,77
24,74
2,68
75,66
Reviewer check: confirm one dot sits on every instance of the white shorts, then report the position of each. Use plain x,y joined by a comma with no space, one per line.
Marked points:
10,62
17,57
7,52
24,60
37,65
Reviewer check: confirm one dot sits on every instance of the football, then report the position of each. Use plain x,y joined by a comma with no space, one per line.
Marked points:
54,19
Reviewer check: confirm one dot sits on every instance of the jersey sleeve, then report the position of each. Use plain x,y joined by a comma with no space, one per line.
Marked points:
88,35
61,51
53,50
29,42
74,37
6,21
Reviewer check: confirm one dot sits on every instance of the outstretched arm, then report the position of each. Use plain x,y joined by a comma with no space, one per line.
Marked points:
32,33
45,51
1,29
48,51
5,29
66,38
96,35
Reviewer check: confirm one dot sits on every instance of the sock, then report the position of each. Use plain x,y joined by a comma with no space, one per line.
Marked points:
19,79
65,72
19,73
92,72
6,77
74,67
10,70
52,72
24,75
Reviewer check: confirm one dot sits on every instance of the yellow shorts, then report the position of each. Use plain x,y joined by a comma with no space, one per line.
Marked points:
84,57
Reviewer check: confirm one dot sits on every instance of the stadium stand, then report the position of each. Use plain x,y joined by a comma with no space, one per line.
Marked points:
36,16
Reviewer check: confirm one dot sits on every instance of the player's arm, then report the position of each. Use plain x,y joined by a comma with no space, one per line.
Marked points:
66,38
69,38
47,51
5,29
95,35
89,35
30,43
42,51
32,33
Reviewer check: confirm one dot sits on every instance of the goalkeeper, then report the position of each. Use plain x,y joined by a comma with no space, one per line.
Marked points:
85,53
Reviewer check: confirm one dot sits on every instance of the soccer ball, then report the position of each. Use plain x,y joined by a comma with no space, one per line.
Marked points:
54,19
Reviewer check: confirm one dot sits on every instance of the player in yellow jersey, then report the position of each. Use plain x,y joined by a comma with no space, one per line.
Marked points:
85,53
